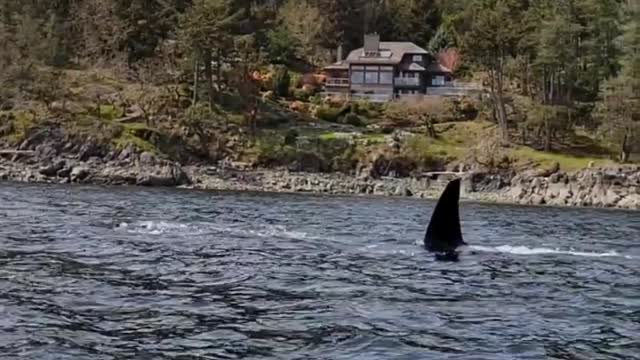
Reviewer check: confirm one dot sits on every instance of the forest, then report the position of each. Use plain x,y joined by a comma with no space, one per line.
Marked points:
553,69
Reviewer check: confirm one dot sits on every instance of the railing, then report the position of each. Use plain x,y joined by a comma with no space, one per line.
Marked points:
373,97
337,82
407,81
455,89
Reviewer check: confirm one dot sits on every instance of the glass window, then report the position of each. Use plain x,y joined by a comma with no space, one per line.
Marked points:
370,68
386,78
371,77
387,68
357,67
357,77
417,57
437,81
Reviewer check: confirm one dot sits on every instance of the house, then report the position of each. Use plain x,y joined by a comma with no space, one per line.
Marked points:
383,71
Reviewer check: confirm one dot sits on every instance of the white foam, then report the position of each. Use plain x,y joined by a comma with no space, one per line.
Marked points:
158,227
523,250
164,227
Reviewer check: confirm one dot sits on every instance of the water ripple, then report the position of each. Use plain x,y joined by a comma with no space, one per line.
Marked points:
111,273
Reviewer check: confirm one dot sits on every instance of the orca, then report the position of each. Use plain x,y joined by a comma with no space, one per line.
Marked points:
444,235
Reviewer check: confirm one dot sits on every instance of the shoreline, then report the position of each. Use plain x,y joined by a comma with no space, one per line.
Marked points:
589,188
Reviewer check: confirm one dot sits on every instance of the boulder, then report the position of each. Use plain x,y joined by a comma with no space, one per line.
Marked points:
169,175
79,174
147,158
53,169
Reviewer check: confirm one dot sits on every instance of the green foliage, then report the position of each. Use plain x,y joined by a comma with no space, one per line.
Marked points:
353,119
281,81
282,47
301,94
328,113
441,40
291,137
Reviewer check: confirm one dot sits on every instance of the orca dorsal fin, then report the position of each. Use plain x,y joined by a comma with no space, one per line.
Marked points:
444,233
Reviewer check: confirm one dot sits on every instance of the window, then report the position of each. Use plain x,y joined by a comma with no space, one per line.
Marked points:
357,77
417,57
357,67
371,77
437,80
372,68
386,78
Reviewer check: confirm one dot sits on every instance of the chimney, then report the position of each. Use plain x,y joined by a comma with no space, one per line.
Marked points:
339,54
371,44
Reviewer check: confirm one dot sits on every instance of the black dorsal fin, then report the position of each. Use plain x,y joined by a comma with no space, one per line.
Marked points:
444,233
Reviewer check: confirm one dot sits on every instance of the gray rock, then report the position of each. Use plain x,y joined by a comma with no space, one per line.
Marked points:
53,169
147,158
79,174
64,172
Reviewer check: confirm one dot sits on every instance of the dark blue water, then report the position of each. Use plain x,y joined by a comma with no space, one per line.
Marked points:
115,273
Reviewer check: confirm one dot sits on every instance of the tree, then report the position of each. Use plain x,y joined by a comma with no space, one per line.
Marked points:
620,107
299,18
492,41
206,30
282,46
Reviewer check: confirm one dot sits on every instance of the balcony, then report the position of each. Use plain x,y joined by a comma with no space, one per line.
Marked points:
337,82
414,81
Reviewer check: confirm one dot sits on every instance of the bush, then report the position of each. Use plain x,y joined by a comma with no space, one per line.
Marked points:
327,113
353,119
301,94
281,82
291,137
366,109
316,100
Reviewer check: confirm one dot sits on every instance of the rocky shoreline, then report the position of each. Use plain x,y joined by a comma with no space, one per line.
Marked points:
611,187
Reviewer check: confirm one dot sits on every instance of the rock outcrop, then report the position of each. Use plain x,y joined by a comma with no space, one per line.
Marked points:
610,187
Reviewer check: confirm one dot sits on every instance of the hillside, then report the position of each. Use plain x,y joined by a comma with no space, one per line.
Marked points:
111,114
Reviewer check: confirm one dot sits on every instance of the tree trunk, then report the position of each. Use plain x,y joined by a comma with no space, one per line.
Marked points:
547,134
219,71
498,98
624,149
208,72
196,71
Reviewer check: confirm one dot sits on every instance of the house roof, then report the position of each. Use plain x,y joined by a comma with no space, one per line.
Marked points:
438,68
391,52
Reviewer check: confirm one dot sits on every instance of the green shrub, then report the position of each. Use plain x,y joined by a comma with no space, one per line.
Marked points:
352,119
366,109
291,137
328,113
301,94
316,99
281,81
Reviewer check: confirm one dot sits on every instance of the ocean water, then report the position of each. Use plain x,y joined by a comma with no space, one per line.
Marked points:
115,273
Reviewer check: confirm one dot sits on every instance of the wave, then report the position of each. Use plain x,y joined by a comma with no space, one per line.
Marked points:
163,227
523,250
156,227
